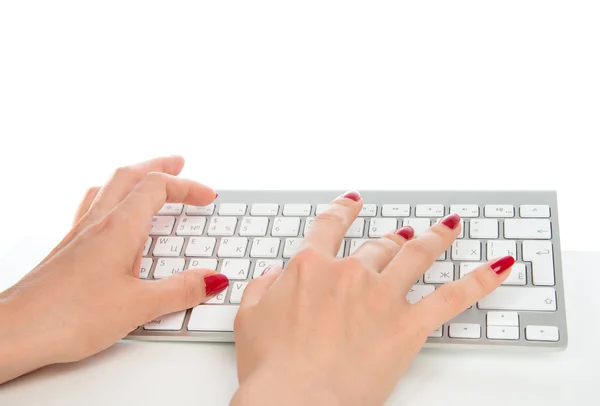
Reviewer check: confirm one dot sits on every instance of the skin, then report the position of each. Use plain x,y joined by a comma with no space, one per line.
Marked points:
324,331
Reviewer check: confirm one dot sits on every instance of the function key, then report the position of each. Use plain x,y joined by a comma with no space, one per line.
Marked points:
530,210
395,210
465,210
296,209
232,209
321,208
429,210
171,209
499,210
200,210
264,209
368,210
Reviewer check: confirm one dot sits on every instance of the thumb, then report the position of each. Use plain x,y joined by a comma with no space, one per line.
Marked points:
186,289
257,288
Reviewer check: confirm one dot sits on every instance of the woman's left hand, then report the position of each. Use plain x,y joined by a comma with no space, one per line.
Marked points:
86,294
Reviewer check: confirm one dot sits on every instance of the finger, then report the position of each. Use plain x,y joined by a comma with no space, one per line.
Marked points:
133,216
125,178
453,298
257,288
328,228
184,290
85,204
417,256
376,254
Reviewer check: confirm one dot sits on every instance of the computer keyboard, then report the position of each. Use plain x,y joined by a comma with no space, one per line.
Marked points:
243,232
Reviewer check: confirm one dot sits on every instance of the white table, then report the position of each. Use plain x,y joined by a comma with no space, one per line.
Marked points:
153,373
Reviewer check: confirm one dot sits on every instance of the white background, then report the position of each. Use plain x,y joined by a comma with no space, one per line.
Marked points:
280,94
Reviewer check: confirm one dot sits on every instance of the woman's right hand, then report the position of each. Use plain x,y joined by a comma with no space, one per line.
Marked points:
327,331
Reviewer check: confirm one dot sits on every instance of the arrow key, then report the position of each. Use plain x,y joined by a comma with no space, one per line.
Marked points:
510,319
502,333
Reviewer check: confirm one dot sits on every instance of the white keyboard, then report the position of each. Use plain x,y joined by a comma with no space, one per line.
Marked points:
245,231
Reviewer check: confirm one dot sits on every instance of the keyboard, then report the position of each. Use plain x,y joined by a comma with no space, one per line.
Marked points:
243,232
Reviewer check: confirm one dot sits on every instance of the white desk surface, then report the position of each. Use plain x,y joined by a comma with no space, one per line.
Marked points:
153,373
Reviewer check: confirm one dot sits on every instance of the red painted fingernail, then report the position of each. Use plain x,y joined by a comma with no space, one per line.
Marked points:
352,195
215,283
502,264
216,195
267,269
406,232
451,221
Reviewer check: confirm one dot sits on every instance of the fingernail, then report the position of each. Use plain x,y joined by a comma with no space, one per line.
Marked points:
502,264
352,195
216,195
215,283
266,270
406,232
451,221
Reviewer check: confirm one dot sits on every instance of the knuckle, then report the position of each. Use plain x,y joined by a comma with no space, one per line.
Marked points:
126,172
190,289
418,248
452,296
482,282
389,246
332,215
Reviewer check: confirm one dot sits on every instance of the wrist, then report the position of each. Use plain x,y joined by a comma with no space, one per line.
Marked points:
278,386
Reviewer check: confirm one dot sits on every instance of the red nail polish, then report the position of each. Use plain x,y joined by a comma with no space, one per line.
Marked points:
216,195
266,270
451,221
406,232
352,195
502,264
215,283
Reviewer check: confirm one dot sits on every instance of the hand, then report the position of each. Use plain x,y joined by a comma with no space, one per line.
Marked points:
86,294
327,331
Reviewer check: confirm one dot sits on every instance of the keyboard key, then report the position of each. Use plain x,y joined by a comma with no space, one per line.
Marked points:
233,247
308,225
502,333
483,228
503,319
203,263
200,247
466,250
171,209
395,210
224,226
200,210
291,246
340,253
542,261
171,322
465,210
467,267
437,333
264,209
368,210
237,291
379,227
219,298
147,246
286,227
168,246
520,298
166,267
355,244
265,248
145,267
464,330
356,229
429,210
262,264
162,225
418,292
529,210
440,272
191,226
419,225
541,333
527,229
232,209
236,269
254,226
499,249
297,209
321,208
499,210
517,275
212,318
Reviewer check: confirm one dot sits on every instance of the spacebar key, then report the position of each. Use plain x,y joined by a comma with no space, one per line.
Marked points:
212,318
520,298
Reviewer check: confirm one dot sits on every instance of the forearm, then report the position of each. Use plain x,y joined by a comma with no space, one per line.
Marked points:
273,388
